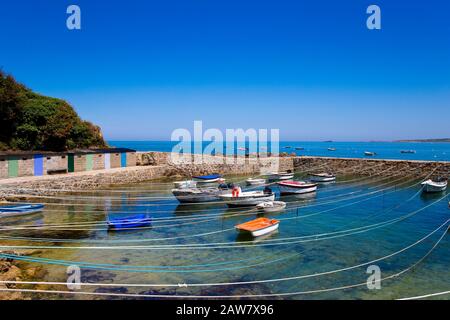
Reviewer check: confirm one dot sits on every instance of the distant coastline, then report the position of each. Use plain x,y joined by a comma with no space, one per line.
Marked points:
425,140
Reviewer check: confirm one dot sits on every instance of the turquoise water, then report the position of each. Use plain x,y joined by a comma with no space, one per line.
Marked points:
337,231
384,150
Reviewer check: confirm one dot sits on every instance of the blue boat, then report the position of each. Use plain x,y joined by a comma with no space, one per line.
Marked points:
129,222
208,179
19,209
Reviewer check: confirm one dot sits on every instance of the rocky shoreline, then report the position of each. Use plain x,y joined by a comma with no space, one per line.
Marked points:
13,270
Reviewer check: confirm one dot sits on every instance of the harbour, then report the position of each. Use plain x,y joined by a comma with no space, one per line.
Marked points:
324,243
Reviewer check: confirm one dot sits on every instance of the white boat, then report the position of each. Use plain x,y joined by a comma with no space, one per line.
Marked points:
286,175
198,195
296,187
185,184
369,153
258,227
322,177
237,198
271,206
255,181
434,186
331,149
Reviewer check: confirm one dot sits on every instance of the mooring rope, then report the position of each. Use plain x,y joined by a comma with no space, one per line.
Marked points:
229,296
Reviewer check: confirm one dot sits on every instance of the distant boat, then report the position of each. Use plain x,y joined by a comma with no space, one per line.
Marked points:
369,153
285,175
129,222
296,187
271,206
438,185
20,210
299,148
287,147
322,177
331,149
407,151
209,178
258,227
255,181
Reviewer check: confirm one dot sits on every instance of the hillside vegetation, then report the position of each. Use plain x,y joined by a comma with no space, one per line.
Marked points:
30,121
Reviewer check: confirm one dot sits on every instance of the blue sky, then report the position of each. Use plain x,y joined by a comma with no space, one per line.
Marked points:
141,69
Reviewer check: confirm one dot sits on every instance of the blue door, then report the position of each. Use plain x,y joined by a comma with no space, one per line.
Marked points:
123,160
38,165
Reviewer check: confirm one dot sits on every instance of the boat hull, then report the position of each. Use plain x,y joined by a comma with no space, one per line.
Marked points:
255,182
246,201
289,190
432,187
265,230
322,179
197,196
21,210
275,207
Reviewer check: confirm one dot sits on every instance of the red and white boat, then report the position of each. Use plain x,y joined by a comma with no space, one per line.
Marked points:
296,187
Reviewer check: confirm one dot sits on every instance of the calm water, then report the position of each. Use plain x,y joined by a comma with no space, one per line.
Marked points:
337,231
383,150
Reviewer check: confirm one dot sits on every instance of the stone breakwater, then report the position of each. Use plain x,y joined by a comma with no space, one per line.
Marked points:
151,166
370,167
159,165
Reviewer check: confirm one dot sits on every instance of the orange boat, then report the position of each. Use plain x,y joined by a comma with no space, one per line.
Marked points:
259,227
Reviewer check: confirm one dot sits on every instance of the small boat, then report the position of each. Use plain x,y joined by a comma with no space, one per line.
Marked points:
258,227
129,222
185,184
287,147
299,148
237,198
19,209
198,195
407,151
209,178
322,177
296,187
255,181
271,206
369,153
331,149
434,186
286,175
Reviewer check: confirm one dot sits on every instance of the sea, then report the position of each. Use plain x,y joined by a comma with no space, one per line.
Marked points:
430,151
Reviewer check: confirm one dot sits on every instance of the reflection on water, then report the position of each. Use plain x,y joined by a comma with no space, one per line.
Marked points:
341,226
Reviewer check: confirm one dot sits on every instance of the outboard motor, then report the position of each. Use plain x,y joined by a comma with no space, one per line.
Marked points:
267,190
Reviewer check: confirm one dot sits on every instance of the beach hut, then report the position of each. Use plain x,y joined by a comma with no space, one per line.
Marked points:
38,165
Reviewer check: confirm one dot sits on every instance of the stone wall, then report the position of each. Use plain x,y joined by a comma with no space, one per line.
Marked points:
98,161
80,163
55,163
26,166
370,166
164,166
3,168
131,159
115,160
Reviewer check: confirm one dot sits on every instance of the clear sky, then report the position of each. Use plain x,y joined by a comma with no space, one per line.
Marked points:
141,69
